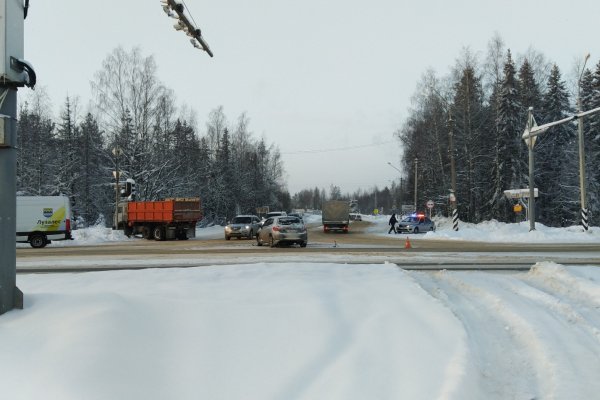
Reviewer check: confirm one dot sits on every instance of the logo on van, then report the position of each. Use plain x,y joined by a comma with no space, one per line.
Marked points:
48,212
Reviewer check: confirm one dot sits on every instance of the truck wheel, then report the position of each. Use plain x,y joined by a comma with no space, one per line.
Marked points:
303,244
227,237
38,240
128,231
182,235
146,233
159,233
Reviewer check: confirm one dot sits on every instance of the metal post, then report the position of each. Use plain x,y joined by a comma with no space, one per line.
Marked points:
116,152
416,167
10,296
584,211
531,200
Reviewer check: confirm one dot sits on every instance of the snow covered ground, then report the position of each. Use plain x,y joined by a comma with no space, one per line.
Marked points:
309,331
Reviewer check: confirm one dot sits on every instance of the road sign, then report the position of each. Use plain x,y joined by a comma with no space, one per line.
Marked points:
430,204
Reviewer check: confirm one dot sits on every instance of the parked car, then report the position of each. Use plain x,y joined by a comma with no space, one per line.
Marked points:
242,226
297,215
282,230
355,217
275,214
415,223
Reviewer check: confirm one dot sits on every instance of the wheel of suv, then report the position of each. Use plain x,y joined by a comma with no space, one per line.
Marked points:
271,241
258,241
303,244
416,230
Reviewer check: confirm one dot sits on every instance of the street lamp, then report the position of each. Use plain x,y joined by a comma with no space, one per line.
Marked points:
117,152
416,167
584,210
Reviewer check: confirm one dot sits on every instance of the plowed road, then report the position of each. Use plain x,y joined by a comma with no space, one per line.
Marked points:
357,246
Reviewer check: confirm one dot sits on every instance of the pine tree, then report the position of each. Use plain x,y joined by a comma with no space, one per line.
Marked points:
470,145
36,154
556,155
67,138
508,171
93,187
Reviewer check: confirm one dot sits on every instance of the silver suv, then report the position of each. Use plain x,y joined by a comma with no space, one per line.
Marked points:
279,230
242,226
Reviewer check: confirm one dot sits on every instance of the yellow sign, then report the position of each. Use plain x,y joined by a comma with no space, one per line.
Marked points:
517,208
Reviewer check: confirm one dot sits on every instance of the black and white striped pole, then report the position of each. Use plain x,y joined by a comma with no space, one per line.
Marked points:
452,173
454,210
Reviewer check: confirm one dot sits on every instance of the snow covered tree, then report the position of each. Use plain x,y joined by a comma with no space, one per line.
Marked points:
93,188
36,151
68,159
508,171
557,158
471,144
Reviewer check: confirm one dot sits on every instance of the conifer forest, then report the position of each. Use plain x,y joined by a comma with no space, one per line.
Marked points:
478,109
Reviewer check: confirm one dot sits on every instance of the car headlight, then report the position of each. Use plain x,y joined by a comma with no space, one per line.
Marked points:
227,228
247,227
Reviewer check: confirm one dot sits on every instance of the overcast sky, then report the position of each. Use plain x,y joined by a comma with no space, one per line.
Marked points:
327,81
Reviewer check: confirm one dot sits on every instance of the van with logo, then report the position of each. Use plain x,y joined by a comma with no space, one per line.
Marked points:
42,219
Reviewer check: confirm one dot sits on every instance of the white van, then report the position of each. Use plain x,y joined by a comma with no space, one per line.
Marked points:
41,219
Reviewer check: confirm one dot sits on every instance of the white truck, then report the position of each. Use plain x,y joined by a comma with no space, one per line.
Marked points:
336,216
41,219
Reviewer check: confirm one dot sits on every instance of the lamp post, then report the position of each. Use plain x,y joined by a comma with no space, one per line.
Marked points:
117,152
416,168
584,210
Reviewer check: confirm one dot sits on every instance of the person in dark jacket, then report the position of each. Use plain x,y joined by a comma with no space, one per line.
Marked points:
392,224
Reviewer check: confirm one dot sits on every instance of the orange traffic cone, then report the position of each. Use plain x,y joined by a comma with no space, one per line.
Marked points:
407,244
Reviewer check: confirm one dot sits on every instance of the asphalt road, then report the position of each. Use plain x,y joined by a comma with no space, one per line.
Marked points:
356,246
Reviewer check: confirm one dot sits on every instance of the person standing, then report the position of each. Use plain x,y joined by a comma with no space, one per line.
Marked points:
392,224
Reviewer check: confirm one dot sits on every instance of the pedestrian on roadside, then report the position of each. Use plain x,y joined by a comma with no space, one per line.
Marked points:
392,224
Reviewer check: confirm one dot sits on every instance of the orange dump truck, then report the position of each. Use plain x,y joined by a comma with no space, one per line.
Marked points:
160,220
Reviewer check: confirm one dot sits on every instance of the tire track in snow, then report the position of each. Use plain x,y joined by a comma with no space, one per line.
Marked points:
500,352
574,296
552,317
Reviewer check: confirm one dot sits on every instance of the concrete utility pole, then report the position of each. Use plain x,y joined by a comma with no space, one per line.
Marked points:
584,210
14,73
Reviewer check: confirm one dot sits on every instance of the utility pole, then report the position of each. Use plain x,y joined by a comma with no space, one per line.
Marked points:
452,173
584,210
14,73
530,143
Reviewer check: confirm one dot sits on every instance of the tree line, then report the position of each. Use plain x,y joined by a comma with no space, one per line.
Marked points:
134,126
481,108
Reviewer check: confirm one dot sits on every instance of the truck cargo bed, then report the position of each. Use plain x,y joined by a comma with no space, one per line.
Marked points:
165,211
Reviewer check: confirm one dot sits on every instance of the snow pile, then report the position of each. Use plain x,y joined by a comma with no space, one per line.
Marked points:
494,231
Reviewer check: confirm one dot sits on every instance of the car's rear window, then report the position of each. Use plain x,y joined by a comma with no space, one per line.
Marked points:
289,220
241,220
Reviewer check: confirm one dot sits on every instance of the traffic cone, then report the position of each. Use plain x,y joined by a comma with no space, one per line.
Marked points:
407,244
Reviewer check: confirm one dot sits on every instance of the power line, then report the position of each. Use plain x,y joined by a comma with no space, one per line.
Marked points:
337,149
